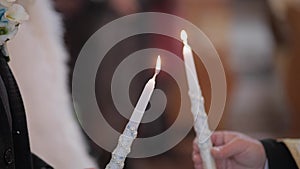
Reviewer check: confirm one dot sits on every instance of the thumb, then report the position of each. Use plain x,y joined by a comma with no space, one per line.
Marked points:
228,150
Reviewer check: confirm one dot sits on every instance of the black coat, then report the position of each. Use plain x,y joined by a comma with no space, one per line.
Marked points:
14,142
279,157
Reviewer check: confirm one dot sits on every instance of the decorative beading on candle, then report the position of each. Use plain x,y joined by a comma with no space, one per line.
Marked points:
202,130
200,117
124,146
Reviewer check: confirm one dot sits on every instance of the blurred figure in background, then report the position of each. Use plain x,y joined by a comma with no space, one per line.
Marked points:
286,27
39,64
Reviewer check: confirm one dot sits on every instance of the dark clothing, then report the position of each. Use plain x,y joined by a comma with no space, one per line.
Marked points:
14,142
279,157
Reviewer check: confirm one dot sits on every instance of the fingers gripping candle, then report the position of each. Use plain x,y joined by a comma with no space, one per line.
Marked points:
130,133
197,102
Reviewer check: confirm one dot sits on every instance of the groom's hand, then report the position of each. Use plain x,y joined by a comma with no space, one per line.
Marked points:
233,151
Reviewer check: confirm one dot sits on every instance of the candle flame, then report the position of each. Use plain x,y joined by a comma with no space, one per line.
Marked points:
183,36
158,65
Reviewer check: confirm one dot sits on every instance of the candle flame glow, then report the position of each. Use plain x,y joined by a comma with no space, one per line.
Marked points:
158,65
183,36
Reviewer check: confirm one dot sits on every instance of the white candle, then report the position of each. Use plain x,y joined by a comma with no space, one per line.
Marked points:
190,66
141,105
129,134
197,101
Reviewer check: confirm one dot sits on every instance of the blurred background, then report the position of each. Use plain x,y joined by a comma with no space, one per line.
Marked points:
257,41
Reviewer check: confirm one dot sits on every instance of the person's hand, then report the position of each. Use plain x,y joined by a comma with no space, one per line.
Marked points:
233,151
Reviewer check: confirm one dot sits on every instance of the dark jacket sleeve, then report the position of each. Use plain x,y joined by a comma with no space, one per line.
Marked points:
39,163
14,142
279,157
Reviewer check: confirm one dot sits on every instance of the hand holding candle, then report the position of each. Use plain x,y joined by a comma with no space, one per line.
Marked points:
130,133
201,125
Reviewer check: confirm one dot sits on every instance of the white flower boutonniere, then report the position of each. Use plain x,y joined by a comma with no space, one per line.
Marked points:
11,15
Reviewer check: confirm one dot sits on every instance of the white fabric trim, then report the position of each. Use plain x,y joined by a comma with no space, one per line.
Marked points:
267,164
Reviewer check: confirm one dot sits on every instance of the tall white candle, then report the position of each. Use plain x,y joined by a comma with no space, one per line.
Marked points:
197,101
126,139
141,105
190,66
